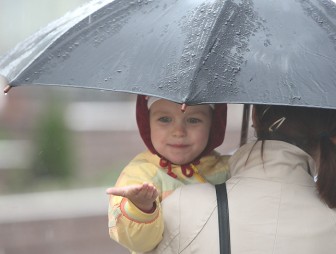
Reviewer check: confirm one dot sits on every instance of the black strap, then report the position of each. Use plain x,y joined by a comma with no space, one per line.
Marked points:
223,219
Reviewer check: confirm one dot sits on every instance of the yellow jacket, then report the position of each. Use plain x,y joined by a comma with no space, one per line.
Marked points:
139,231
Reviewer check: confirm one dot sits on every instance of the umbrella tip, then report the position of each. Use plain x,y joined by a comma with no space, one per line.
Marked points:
183,107
4,83
7,88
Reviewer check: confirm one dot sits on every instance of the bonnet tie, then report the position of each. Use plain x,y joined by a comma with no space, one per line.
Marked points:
164,163
188,170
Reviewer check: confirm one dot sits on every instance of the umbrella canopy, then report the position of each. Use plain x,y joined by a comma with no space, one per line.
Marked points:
189,51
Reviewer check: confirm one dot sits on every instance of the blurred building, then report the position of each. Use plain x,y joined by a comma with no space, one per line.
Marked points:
79,225
92,116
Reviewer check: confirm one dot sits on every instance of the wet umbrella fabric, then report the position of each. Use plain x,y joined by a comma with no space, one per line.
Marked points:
189,51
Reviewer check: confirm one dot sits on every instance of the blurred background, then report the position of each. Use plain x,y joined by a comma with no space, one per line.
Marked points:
60,148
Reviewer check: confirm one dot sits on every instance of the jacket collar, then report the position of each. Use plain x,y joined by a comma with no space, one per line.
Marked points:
281,161
205,162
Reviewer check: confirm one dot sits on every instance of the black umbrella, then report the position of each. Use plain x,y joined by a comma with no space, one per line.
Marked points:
189,51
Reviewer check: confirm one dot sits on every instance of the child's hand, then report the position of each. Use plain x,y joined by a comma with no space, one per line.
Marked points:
142,196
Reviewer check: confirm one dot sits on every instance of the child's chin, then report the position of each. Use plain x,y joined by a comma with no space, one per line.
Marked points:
180,161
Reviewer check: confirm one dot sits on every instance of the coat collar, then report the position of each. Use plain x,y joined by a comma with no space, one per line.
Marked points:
281,162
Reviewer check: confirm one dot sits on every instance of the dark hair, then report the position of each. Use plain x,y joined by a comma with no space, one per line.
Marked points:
311,129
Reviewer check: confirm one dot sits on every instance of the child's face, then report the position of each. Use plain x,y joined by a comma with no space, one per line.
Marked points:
177,136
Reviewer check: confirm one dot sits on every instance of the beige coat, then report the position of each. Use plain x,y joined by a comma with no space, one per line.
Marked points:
274,208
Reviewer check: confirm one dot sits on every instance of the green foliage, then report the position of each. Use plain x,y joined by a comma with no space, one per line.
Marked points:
53,158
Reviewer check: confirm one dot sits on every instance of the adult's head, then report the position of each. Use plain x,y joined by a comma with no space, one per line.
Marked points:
311,129
215,135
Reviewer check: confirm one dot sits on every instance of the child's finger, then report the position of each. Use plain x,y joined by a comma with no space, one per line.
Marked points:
124,191
117,191
149,191
110,191
154,190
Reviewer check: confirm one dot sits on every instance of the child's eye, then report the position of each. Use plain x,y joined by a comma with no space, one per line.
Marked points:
165,119
194,120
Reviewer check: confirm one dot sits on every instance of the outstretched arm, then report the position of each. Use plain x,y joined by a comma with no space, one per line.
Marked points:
135,218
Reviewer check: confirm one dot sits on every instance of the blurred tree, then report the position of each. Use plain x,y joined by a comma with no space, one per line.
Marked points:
53,155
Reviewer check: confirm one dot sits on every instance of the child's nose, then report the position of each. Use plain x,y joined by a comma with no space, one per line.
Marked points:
179,130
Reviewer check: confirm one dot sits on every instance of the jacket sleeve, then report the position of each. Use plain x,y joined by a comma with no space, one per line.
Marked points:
132,228
128,225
